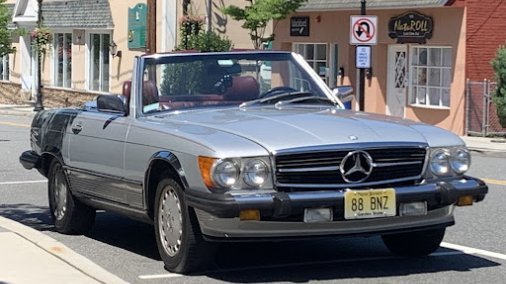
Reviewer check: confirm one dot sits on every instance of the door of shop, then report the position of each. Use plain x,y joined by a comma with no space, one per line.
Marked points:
397,79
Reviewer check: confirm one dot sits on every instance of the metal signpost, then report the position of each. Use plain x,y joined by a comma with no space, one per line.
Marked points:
363,34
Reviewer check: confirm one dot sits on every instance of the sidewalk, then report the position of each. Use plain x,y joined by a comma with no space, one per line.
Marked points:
29,256
25,110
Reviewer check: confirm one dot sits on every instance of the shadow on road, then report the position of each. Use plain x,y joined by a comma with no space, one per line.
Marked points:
36,217
342,267
294,261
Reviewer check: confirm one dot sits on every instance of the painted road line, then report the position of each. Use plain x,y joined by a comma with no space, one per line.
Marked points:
160,276
494,181
14,124
469,250
22,182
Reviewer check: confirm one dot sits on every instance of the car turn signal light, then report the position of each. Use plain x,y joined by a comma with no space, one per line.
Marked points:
205,165
250,215
465,200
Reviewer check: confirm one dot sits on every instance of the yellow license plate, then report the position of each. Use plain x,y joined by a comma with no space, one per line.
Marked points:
375,203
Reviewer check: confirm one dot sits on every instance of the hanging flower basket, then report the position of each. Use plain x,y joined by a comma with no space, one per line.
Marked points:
41,39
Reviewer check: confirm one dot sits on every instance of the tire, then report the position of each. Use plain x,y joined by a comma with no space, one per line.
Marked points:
178,237
68,214
418,243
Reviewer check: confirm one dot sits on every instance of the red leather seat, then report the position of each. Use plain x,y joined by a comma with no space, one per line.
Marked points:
149,93
243,89
127,89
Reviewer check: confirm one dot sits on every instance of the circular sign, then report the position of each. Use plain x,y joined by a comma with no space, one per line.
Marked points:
364,30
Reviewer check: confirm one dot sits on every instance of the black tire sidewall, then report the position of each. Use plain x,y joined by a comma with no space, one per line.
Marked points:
62,225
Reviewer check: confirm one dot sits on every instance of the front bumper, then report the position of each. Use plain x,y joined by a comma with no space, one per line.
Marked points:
218,213
30,160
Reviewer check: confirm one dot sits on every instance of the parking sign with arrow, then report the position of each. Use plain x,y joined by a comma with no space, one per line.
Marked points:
363,30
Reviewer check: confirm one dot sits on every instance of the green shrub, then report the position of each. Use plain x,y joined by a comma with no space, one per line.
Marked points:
499,95
186,78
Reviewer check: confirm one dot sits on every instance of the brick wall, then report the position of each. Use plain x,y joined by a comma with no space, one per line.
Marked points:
486,24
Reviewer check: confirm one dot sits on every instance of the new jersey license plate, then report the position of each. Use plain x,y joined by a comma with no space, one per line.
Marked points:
374,203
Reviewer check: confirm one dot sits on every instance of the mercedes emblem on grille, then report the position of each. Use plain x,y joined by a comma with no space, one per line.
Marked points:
356,166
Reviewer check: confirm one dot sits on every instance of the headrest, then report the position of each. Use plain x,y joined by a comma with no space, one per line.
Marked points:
242,89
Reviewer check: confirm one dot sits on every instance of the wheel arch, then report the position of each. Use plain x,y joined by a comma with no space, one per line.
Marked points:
47,158
160,163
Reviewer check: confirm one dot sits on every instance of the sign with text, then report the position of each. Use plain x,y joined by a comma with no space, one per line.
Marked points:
137,22
363,30
299,26
363,56
411,27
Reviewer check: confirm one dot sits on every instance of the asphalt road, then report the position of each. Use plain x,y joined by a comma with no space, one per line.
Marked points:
127,248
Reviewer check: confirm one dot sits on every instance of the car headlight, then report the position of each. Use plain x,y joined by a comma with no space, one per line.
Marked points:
255,172
235,173
439,162
460,160
226,173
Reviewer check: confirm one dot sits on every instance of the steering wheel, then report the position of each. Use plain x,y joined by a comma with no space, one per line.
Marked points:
276,91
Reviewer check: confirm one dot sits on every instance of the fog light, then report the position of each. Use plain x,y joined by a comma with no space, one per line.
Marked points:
465,200
314,215
413,209
249,214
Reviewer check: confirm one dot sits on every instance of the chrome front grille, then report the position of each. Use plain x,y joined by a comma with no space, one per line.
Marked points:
320,168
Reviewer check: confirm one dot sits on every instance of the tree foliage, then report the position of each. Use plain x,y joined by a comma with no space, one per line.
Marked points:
499,95
259,13
194,37
186,78
5,34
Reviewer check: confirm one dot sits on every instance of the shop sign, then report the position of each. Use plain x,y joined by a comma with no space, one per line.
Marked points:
137,23
299,26
411,27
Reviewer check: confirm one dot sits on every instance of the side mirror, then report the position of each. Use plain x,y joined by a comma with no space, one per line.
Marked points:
344,94
111,103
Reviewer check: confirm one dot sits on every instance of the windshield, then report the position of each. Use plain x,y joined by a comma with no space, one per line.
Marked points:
226,79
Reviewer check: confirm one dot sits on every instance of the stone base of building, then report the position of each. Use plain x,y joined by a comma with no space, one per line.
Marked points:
12,93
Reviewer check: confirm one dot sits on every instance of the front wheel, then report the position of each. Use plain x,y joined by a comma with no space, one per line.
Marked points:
177,232
418,243
70,216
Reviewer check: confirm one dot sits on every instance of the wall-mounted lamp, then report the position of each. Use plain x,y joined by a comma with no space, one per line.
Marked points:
368,73
113,48
340,72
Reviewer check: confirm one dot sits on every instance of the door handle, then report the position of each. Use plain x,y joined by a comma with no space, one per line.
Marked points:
77,128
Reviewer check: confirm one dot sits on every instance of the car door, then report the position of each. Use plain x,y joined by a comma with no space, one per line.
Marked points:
96,148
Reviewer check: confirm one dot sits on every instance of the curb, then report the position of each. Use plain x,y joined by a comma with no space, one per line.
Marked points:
61,251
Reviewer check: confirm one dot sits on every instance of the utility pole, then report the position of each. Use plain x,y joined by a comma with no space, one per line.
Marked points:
361,87
38,97
151,40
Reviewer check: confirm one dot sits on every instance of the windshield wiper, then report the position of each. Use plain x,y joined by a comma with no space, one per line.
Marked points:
289,97
305,99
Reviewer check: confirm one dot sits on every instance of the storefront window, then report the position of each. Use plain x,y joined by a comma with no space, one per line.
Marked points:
63,59
99,62
316,55
430,71
4,68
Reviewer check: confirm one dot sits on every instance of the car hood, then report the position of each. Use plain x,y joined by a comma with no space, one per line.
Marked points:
293,127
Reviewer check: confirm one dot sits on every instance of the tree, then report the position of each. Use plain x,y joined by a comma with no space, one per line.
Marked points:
186,78
499,95
259,13
5,34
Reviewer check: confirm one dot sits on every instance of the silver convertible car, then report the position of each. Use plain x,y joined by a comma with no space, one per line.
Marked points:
208,148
